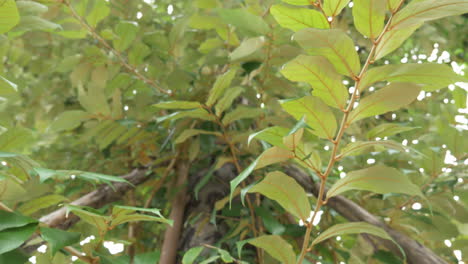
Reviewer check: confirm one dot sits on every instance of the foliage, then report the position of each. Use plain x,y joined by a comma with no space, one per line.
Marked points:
94,89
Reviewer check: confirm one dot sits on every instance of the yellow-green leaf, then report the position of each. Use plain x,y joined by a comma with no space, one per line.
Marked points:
193,132
389,98
286,191
432,76
178,105
298,18
69,120
226,101
241,112
7,87
37,204
273,155
9,15
356,148
317,115
351,228
393,39
272,135
378,179
299,2
321,75
221,84
334,44
385,130
369,16
247,48
277,247
418,12
333,7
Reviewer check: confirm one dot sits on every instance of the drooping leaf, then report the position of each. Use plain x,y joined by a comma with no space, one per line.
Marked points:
272,135
13,237
245,21
389,98
31,8
69,120
317,115
37,204
418,12
191,255
247,48
369,16
276,246
226,101
123,214
9,15
388,129
358,147
225,256
392,40
177,105
334,44
241,177
378,179
98,220
432,76
320,74
298,18
221,84
286,191
196,113
333,7
273,155
351,228
13,220
59,239
188,133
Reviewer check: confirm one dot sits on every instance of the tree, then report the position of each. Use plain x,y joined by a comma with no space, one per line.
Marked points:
233,132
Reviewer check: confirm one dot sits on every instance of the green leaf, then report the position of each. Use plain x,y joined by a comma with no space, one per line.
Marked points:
221,84
14,237
369,16
188,133
333,7
272,135
90,216
242,176
431,76
225,256
69,120
378,179
178,105
9,15
59,239
321,75
276,246
13,220
31,8
15,256
241,112
245,21
226,101
273,155
299,2
196,113
385,130
418,12
298,18
36,23
37,204
357,148
334,44
247,48
393,39
191,255
390,98
317,115
99,11
393,4
123,214
126,32
459,95
271,224
286,191
7,87
351,228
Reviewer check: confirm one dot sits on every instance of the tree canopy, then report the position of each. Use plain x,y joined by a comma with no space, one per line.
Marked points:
208,131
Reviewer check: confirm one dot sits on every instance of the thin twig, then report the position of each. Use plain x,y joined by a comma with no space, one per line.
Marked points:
122,59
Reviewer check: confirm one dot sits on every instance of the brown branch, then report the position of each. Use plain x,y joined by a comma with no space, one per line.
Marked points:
415,252
172,234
